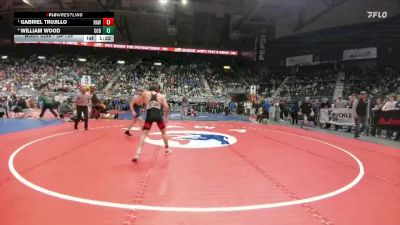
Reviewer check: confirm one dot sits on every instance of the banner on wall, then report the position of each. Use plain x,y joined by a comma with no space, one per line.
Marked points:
360,53
299,60
389,120
142,48
337,116
259,47
86,81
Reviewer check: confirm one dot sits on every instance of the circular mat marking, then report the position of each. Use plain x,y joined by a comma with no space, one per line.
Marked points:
33,186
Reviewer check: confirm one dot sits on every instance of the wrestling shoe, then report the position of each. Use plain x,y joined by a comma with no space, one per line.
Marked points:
168,151
135,159
128,133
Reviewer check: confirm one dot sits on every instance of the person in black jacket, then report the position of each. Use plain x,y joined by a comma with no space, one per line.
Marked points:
361,114
305,109
95,105
20,105
377,108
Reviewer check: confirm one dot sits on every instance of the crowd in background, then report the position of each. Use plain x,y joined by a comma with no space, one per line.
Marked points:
312,83
58,73
286,109
377,81
24,79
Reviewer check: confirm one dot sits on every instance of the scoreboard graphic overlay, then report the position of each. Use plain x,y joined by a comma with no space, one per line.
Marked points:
31,27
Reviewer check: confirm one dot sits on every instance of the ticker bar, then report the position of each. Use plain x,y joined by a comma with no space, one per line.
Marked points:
139,47
57,22
63,15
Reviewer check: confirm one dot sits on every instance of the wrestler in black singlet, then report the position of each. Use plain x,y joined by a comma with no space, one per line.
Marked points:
153,114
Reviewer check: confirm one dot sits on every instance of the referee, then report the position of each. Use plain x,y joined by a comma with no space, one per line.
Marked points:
82,101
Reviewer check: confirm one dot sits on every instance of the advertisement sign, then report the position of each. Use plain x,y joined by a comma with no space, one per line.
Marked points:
360,53
143,48
341,116
259,47
299,60
389,120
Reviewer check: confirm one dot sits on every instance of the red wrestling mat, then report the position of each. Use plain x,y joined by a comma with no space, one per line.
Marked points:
219,173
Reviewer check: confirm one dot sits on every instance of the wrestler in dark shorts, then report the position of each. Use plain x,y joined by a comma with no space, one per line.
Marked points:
154,115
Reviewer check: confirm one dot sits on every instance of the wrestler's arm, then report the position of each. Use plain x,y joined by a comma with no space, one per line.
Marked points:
165,106
131,106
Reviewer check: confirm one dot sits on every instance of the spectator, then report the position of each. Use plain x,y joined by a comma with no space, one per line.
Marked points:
277,111
3,107
325,104
262,112
339,104
184,107
267,106
398,108
352,98
294,112
377,108
282,109
95,113
305,109
390,106
248,108
19,105
65,108
361,114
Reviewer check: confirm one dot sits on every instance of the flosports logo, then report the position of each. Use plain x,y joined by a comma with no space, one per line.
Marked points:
192,139
377,14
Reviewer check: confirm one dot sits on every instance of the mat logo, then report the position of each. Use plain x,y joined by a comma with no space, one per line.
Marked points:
192,139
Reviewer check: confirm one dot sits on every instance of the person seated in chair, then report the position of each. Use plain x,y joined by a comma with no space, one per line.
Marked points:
19,105
263,113
3,108
65,108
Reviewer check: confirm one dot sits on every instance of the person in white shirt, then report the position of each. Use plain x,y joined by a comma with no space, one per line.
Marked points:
391,104
248,108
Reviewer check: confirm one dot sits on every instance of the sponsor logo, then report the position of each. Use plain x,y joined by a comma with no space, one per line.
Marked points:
377,14
337,116
192,139
390,122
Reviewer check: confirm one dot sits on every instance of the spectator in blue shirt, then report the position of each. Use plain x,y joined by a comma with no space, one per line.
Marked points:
267,105
294,112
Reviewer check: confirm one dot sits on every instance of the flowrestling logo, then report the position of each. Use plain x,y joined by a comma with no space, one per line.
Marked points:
192,139
377,14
